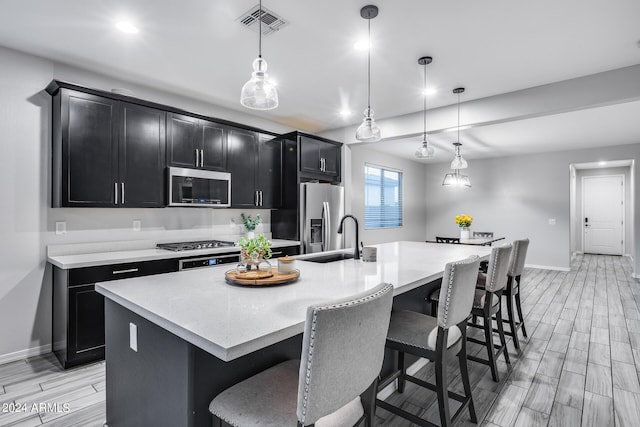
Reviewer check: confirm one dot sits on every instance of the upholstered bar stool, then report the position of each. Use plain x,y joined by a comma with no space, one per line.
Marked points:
486,304
512,292
438,339
334,383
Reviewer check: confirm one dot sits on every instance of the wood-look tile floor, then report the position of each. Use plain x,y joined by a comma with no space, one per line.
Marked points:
579,366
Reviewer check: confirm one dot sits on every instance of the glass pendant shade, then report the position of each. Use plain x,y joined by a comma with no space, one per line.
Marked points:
259,93
426,151
368,131
459,163
455,179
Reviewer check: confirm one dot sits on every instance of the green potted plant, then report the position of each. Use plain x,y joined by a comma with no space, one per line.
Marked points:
250,223
254,250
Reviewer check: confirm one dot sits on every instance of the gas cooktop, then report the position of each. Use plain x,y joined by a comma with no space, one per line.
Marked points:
189,246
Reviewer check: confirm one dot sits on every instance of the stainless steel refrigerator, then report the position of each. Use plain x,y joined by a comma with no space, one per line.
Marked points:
321,208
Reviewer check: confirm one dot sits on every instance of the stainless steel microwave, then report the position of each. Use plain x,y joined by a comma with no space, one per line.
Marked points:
199,188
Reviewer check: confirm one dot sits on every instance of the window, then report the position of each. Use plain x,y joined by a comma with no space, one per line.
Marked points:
382,197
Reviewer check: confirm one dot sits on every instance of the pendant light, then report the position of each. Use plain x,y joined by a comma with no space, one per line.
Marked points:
259,93
425,151
368,131
455,178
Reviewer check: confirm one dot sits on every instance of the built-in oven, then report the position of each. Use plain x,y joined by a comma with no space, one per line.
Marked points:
195,187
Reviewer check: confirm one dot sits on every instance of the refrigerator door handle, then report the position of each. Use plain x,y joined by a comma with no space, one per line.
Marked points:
326,216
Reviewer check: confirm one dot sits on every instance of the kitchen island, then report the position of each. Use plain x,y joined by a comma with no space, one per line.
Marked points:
194,335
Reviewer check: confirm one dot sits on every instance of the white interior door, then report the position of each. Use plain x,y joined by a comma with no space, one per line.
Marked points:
603,214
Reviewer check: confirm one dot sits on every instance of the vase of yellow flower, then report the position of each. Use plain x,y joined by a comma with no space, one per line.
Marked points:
464,222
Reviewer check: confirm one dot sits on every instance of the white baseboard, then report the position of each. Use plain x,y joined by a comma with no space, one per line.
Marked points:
23,354
548,267
411,370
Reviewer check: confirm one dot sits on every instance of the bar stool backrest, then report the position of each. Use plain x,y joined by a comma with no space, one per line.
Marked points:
498,268
518,256
457,291
342,351
483,234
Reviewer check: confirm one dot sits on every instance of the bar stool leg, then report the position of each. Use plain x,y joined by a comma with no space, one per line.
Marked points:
464,372
503,340
488,337
519,307
403,372
512,323
442,391
369,404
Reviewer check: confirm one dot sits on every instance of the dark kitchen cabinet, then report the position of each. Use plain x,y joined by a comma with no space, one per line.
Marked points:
78,309
196,143
255,163
106,153
319,157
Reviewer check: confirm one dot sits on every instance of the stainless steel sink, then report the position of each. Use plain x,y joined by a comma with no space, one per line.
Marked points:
324,258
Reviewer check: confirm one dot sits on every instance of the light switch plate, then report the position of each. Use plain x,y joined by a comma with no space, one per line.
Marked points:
136,224
133,336
61,227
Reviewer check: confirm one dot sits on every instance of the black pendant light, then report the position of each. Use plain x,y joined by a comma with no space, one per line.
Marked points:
368,131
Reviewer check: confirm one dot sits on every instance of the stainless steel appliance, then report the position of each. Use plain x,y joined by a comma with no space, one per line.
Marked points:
195,187
321,207
189,246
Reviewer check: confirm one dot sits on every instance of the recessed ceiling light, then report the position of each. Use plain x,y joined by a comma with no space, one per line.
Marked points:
602,163
127,27
430,91
346,112
362,45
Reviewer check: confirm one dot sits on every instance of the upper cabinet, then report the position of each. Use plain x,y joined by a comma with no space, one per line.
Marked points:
319,157
255,163
196,143
106,152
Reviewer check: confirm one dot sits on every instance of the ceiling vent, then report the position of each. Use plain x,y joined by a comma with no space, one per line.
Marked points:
271,22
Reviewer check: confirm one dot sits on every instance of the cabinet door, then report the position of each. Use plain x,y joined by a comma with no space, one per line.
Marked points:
309,154
331,155
270,172
182,133
142,149
242,158
213,139
86,322
89,150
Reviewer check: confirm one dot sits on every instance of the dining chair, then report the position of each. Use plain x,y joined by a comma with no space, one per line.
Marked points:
487,305
447,239
483,234
438,339
334,383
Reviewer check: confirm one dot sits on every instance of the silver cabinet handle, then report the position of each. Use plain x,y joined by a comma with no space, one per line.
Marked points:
256,198
197,157
128,270
115,187
201,158
122,184
322,164
260,197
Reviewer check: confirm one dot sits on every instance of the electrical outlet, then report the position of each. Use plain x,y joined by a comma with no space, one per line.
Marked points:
136,224
61,227
133,336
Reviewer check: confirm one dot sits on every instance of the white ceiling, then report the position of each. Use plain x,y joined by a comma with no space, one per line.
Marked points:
198,49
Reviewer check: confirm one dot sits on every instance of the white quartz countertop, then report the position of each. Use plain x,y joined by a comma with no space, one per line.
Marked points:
231,321
92,259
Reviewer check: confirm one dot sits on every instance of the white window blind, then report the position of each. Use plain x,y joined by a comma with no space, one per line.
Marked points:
383,197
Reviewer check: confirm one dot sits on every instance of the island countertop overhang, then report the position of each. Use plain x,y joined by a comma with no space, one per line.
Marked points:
230,321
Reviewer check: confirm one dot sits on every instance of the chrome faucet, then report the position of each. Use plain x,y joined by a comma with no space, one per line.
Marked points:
356,252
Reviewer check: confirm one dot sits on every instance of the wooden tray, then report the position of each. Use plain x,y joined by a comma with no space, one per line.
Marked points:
250,279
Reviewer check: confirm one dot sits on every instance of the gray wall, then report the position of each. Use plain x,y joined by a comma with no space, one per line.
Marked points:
26,220
628,219
516,196
413,227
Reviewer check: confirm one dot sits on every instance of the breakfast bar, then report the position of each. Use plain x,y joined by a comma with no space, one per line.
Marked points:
174,341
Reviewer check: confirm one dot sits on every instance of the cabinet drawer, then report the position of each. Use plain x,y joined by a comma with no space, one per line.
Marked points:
104,273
